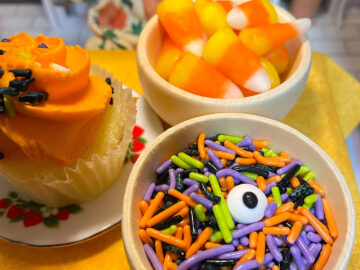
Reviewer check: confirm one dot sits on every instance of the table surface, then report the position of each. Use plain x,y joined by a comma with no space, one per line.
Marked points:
327,111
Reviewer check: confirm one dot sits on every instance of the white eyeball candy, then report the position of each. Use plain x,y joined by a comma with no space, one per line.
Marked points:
246,203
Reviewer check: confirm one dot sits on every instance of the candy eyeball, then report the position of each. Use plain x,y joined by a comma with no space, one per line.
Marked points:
246,203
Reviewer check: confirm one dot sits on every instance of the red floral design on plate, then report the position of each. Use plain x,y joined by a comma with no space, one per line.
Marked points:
137,144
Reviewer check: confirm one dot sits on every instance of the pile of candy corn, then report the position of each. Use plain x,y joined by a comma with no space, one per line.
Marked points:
224,48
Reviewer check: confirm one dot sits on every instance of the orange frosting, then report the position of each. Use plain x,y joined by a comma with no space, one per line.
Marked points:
61,128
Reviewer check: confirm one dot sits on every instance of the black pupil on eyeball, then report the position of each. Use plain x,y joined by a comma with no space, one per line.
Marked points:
250,199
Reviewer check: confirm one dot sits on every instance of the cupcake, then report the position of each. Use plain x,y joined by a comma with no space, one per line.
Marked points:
65,126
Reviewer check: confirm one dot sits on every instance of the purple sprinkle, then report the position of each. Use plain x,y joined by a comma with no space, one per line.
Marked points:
205,169
270,265
315,249
312,210
275,252
245,142
191,189
190,182
219,147
172,179
286,168
238,177
292,267
235,242
240,226
208,174
248,229
233,165
163,166
149,192
214,158
253,263
295,252
319,210
42,46
199,199
270,209
314,237
200,231
271,174
207,254
5,40
268,187
278,241
179,170
309,228
251,144
305,250
244,241
284,197
162,188
152,257
304,237
235,255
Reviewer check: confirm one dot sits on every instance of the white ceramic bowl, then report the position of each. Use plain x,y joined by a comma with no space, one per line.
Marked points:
281,137
174,105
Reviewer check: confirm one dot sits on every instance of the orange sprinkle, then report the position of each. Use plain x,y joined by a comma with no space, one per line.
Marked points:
329,218
183,212
210,245
247,257
165,214
276,219
261,144
184,222
159,251
145,238
261,183
167,260
260,250
270,199
318,189
296,217
179,233
324,256
223,162
182,197
224,194
253,240
295,182
294,232
276,230
229,183
143,206
268,161
224,155
286,207
284,157
245,161
172,266
151,210
240,247
222,182
275,178
199,242
317,224
241,152
201,145
169,239
275,267
187,236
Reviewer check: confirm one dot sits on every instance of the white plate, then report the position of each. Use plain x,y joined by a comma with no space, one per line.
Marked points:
96,216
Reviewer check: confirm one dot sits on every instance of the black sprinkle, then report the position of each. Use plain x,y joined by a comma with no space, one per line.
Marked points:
2,52
193,229
287,258
9,91
162,208
108,81
285,181
185,173
229,162
22,85
287,224
211,222
258,171
212,168
174,250
192,152
209,195
169,198
2,156
208,266
179,186
219,262
33,97
21,72
111,102
167,223
1,72
267,168
193,146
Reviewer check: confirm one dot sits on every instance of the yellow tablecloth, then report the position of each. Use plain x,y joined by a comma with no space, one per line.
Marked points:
327,111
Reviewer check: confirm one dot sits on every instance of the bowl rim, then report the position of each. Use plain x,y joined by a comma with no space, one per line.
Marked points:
128,196
300,72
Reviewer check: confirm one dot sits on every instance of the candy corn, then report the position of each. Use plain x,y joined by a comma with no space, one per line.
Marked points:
181,22
230,4
251,14
194,75
229,55
271,71
169,54
264,39
279,58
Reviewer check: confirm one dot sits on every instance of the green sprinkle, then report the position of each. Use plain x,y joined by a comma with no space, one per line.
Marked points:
310,199
251,175
224,208
269,152
302,170
200,213
190,160
289,190
179,162
171,230
199,177
9,108
307,206
233,139
216,237
224,229
276,195
309,175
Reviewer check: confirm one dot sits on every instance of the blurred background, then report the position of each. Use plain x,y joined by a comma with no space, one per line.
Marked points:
98,24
